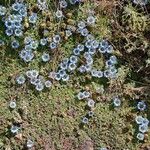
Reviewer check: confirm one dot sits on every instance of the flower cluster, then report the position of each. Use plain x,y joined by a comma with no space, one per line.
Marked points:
35,79
85,95
14,21
27,54
66,66
88,51
91,47
143,126
85,50
81,58
141,121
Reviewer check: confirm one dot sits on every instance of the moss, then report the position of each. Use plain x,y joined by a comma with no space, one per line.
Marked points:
53,117
135,20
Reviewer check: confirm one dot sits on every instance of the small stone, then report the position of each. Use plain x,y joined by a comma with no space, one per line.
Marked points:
19,136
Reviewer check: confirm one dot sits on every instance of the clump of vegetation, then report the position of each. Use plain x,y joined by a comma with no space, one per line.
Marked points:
74,75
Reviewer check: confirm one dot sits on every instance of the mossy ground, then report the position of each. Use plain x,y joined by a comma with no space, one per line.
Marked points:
52,118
